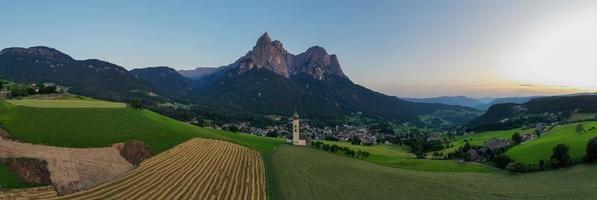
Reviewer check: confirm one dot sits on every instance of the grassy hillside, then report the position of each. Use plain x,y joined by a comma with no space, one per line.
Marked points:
66,103
304,173
398,156
100,127
479,139
541,148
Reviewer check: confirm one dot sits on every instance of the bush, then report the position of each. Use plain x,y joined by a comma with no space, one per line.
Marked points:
502,161
334,148
560,157
516,167
591,155
516,138
136,104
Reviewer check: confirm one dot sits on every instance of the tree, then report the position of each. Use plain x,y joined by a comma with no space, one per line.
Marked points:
334,148
516,138
136,104
591,155
516,167
355,140
580,129
560,157
502,161
365,154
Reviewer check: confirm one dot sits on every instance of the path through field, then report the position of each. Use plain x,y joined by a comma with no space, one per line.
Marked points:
196,169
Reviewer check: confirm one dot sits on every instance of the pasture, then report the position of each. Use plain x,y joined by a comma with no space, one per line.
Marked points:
66,103
399,157
315,174
541,148
479,139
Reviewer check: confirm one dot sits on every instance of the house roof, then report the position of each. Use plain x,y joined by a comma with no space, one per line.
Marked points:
494,144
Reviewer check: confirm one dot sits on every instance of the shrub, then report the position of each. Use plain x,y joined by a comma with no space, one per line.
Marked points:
560,157
516,167
516,138
502,161
591,155
334,148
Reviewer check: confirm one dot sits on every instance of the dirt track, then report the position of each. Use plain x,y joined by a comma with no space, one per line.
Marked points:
72,169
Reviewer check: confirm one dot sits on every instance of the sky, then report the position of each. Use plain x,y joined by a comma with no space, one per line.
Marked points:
403,48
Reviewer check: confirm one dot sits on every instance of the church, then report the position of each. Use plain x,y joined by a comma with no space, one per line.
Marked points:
296,136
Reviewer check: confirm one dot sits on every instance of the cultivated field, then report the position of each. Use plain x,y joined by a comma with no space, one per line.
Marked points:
196,169
315,174
71,169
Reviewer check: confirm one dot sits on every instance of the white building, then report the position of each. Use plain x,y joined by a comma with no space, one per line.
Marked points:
296,131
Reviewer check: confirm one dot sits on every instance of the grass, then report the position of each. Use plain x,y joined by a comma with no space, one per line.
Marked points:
581,116
541,148
68,102
10,180
479,139
101,127
305,173
399,157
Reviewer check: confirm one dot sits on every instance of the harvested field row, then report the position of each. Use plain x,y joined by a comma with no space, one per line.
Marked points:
196,169
29,193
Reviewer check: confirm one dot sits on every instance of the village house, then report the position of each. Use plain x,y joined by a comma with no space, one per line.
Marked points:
492,146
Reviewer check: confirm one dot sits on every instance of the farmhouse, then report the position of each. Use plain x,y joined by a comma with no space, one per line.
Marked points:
493,146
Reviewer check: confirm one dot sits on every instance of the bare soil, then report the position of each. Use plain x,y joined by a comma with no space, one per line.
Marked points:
30,170
72,169
134,151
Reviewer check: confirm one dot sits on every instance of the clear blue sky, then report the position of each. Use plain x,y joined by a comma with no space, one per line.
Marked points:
404,48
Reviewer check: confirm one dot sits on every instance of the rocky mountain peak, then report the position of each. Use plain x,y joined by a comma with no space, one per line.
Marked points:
271,55
267,54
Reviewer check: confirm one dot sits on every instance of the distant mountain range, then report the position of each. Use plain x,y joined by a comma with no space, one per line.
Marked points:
479,104
267,80
537,110
91,77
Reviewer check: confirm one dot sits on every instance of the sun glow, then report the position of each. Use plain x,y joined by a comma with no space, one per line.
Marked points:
562,52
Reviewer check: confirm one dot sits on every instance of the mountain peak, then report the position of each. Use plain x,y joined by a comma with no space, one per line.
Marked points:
271,55
40,51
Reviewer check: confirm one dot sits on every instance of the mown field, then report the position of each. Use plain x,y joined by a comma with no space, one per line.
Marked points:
305,173
196,169
542,147
398,156
66,101
101,127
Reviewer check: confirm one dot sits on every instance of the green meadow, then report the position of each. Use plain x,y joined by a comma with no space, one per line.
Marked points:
306,173
68,102
541,148
390,172
399,157
479,139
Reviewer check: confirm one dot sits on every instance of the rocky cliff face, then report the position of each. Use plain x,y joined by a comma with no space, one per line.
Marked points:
271,55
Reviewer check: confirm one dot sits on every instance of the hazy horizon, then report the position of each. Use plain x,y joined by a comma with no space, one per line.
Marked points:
401,48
